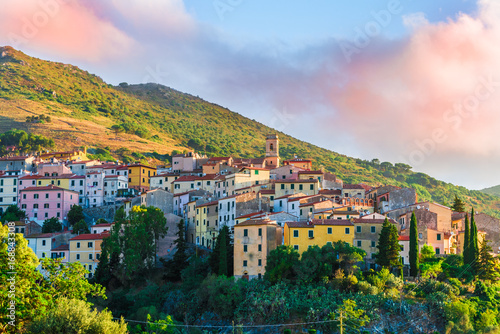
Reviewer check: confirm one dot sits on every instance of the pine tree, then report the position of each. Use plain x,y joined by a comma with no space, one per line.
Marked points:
458,205
487,263
388,246
466,249
413,246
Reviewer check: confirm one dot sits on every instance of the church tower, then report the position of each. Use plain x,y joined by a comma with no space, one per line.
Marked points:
272,151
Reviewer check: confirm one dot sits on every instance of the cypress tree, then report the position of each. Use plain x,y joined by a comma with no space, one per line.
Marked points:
221,259
223,254
466,249
474,245
413,246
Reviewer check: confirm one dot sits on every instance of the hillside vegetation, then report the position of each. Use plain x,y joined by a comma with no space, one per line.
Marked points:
148,122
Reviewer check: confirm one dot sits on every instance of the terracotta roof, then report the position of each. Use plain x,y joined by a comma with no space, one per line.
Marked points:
141,165
166,174
311,172
16,158
61,176
315,202
353,186
404,238
208,204
267,191
372,221
256,222
254,168
250,215
46,188
219,159
44,235
330,192
298,160
103,225
297,181
310,224
91,236
64,247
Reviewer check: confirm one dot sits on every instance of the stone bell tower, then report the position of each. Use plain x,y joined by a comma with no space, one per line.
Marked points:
272,151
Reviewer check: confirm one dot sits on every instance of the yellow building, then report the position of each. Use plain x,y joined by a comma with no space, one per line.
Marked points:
138,176
207,224
253,241
86,249
460,242
69,155
190,182
191,221
287,187
319,232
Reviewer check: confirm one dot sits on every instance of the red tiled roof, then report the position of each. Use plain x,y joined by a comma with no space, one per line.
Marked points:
208,204
45,235
298,160
16,158
46,188
256,222
91,236
353,186
330,192
103,225
267,191
64,247
297,181
219,159
311,172
250,215
310,224
372,221
404,238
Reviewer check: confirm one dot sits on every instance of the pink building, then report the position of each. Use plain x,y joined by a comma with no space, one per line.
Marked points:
41,203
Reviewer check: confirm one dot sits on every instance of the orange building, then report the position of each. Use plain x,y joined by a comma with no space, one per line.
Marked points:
138,176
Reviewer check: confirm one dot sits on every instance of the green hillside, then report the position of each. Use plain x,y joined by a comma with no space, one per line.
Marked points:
492,190
135,121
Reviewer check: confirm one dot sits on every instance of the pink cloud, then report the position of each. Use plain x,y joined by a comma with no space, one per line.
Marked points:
61,28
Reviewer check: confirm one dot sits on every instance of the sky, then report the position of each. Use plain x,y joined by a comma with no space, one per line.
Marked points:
406,81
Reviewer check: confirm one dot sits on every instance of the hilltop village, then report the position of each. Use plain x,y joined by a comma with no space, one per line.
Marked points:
266,202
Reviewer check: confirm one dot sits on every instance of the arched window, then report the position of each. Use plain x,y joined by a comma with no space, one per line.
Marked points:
271,147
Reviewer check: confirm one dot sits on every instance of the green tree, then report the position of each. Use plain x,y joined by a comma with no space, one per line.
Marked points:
76,316
413,246
180,259
466,246
458,205
221,259
120,215
348,318
281,264
12,214
75,214
51,225
81,227
388,246
488,268
473,242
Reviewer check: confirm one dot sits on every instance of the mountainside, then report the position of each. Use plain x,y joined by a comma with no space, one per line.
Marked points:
492,190
144,122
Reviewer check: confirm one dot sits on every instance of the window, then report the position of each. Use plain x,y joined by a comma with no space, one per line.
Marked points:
89,245
330,230
292,186
58,195
374,244
24,196
301,187
296,247
244,263
420,236
373,229
260,232
43,254
358,229
46,195
245,248
46,206
43,242
78,256
282,186
35,206
90,268
293,206
295,233
438,236
91,257
260,248
245,232
311,233
358,243
98,256
347,230
260,263
311,187
77,245
438,251
46,215
35,196
23,206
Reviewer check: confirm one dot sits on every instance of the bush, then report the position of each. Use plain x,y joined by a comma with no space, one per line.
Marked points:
76,316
